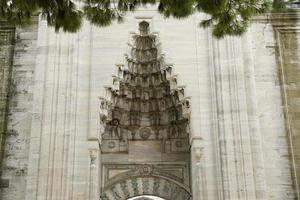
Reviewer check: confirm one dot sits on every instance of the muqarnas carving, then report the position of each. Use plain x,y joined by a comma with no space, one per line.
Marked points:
144,101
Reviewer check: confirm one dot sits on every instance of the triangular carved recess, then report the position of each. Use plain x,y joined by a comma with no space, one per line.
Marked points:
144,103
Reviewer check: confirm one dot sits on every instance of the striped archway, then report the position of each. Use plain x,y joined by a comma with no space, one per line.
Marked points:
153,185
146,197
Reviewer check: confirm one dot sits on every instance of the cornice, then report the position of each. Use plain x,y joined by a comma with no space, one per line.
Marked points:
5,25
290,18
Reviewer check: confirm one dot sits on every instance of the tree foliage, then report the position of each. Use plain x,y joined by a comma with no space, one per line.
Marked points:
226,17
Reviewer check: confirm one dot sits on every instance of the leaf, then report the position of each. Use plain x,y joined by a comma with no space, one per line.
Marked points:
206,23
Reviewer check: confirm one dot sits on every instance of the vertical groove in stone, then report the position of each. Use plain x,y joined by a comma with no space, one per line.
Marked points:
253,119
232,133
215,117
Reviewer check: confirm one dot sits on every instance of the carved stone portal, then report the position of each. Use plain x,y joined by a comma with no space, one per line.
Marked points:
144,118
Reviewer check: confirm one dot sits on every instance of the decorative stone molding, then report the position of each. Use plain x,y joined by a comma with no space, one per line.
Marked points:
138,186
178,172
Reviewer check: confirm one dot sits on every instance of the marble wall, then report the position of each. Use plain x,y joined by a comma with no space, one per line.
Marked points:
6,56
240,144
288,62
19,116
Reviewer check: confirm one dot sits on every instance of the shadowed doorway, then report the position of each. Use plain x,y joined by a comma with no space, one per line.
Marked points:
146,197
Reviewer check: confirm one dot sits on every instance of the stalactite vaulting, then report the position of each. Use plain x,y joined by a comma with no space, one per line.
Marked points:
144,119
144,102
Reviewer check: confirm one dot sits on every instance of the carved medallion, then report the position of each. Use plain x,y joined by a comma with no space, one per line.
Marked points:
178,144
145,133
111,144
145,170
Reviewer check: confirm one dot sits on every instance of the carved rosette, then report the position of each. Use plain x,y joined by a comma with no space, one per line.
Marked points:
144,101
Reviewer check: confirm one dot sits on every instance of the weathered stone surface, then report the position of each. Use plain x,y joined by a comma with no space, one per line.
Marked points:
288,62
240,142
6,56
15,162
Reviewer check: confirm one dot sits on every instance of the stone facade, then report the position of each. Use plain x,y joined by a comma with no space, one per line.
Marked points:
19,114
6,56
288,62
243,121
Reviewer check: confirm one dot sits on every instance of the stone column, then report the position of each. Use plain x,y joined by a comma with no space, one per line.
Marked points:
94,180
198,174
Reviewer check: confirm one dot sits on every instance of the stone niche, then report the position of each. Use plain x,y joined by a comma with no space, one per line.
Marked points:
144,117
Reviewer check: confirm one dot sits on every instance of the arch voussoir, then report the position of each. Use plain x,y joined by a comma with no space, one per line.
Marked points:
139,186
